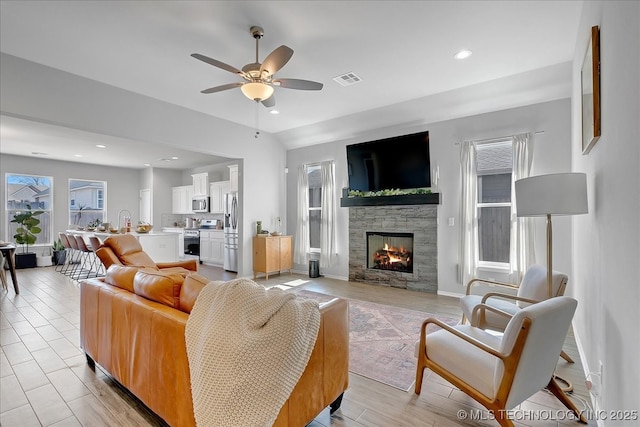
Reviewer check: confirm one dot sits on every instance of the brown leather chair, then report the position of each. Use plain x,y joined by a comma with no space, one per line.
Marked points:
124,249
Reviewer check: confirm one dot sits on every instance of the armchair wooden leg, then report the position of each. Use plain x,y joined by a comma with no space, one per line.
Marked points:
566,357
419,377
554,388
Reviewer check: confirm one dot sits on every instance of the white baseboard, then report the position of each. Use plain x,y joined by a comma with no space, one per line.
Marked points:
450,294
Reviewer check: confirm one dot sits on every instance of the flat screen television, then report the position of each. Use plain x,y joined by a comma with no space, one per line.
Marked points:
400,162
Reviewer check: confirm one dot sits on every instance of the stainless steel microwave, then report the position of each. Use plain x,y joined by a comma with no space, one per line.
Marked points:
200,204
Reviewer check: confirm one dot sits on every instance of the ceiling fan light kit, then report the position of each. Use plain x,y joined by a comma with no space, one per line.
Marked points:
256,91
259,77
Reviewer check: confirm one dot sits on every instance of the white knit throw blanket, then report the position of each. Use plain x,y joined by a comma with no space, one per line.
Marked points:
247,348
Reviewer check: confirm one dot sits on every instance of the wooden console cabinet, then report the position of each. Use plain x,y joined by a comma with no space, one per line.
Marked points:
271,254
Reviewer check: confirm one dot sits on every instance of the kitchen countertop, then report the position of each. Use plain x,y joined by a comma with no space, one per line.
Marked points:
106,233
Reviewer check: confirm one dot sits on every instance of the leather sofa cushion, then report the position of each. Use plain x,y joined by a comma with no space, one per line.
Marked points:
190,290
159,286
129,251
121,276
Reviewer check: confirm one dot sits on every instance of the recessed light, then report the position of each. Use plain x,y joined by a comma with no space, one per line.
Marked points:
39,153
147,164
274,112
463,54
77,155
101,146
174,158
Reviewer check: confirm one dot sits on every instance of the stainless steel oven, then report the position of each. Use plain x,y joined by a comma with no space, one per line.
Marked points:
192,241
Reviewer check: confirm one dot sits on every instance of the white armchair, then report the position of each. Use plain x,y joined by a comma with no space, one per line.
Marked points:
533,288
501,372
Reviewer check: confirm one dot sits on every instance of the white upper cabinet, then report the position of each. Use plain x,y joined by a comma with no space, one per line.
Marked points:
200,184
181,199
233,177
217,190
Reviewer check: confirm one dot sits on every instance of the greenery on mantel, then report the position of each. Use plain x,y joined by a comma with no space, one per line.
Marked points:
390,192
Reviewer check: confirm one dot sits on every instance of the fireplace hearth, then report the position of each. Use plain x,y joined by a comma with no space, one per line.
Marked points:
390,251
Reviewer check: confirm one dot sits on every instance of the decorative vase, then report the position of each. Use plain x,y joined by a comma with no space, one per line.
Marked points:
258,227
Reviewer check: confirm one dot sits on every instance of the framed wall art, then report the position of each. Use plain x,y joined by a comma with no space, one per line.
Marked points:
590,75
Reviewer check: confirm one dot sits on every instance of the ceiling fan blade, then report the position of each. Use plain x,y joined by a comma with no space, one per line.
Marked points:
217,63
221,88
299,84
270,101
276,60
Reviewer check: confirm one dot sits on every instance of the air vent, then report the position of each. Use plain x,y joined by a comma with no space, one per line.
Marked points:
347,79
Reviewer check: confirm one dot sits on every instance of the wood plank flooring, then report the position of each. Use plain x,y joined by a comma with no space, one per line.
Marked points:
45,380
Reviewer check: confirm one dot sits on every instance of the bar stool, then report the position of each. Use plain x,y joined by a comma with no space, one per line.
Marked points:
85,256
68,258
95,243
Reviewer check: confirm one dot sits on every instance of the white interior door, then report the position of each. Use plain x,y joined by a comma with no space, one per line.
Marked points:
145,206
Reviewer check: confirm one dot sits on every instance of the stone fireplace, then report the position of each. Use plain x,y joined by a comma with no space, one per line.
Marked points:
410,234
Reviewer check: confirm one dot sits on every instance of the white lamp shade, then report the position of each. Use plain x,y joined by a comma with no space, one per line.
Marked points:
257,91
555,194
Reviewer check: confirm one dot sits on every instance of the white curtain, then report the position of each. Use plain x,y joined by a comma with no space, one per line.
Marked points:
468,245
522,249
327,216
301,252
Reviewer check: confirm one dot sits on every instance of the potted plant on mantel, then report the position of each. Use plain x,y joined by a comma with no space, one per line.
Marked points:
26,235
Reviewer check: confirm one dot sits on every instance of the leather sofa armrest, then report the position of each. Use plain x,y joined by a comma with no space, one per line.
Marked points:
189,264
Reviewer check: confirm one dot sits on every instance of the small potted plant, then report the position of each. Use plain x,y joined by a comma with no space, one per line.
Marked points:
26,234
59,254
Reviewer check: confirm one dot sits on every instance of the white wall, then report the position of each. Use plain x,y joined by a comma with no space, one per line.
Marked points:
552,154
606,244
122,186
35,92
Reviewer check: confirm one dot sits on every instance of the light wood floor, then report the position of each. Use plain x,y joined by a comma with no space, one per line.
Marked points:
45,380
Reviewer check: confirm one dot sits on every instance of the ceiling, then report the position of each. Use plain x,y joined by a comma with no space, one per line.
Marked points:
402,50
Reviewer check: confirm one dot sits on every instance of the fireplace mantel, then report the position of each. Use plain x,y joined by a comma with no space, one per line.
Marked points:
403,199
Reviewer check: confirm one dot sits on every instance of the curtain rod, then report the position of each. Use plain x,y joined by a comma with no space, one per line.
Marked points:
484,141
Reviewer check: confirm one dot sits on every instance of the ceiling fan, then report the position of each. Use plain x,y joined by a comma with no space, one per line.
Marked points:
259,78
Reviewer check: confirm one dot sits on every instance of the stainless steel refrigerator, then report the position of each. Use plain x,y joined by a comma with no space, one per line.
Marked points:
231,232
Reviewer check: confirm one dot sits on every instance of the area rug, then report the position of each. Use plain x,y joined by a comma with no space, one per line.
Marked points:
382,339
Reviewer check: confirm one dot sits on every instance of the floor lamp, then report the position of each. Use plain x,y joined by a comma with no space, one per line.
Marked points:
546,195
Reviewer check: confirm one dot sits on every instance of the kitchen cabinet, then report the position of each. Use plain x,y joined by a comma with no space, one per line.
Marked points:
212,247
233,177
160,246
180,232
200,184
217,190
181,199
271,254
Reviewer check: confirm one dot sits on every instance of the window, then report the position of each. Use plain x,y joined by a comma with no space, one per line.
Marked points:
86,202
30,191
315,206
494,175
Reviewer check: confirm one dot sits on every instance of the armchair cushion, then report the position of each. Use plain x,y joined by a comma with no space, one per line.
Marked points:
492,320
471,364
534,284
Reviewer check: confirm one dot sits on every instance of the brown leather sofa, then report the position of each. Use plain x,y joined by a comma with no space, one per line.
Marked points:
125,249
132,323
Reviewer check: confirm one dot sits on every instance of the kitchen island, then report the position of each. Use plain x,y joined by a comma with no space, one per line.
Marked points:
160,246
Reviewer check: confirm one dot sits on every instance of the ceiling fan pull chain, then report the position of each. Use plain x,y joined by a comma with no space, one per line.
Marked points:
257,122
